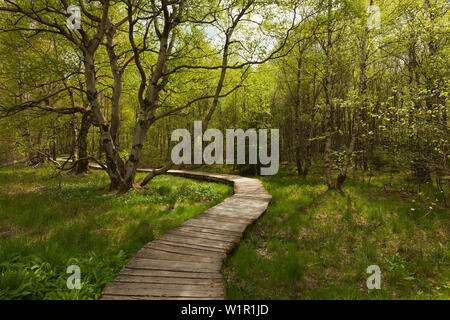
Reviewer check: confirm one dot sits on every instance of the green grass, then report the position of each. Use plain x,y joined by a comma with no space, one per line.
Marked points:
44,228
312,244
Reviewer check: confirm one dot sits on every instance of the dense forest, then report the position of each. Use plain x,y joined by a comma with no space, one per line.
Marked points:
357,88
345,83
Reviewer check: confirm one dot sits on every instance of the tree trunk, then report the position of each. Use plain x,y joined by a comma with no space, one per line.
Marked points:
117,89
73,129
301,132
328,133
114,164
82,165
148,106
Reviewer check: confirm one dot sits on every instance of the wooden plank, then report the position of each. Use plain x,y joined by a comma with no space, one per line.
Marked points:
190,246
223,218
233,215
162,290
249,215
209,230
212,236
239,208
146,253
168,280
254,196
170,273
242,210
217,222
139,263
167,247
197,241
243,204
119,297
214,225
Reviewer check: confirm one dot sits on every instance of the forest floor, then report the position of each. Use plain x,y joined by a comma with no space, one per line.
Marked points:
312,244
44,227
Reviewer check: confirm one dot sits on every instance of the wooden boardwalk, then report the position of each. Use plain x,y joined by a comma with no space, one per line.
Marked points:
186,262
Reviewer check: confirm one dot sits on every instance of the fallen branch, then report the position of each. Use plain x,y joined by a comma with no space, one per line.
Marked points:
156,172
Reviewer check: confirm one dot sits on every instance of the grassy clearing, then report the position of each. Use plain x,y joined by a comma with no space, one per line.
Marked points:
44,229
315,245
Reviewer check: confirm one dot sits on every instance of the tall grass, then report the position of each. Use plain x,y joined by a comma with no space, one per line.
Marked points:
312,244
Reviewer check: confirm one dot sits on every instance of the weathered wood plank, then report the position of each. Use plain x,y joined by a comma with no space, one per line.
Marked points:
216,244
223,218
218,241
214,225
168,280
147,297
147,253
221,221
162,290
190,246
233,213
140,263
242,203
209,231
212,236
243,209
254,196
172,274
167,247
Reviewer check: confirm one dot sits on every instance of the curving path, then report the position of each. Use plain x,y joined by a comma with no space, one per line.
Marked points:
186,262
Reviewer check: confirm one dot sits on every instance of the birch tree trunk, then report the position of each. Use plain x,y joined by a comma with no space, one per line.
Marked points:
113,160
148,108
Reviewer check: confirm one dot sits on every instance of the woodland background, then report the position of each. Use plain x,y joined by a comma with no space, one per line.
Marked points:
342,93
